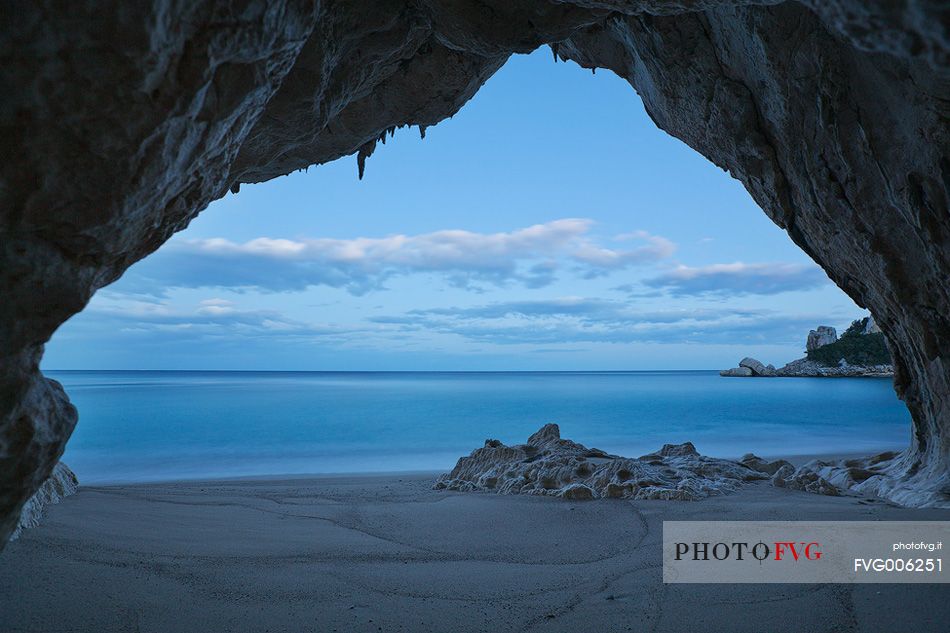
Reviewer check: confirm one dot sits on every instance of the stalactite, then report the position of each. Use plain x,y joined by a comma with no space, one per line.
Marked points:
364,152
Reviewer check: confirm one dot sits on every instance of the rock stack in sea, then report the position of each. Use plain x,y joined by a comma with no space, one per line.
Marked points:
750,367
821,336
819,339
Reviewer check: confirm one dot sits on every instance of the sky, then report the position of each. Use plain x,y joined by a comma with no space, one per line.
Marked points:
549,225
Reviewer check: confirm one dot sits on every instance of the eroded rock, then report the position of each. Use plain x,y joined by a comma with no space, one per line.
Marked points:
755,366
552,466
782,474
61,484
805,479
737,372
763,466
804,368
870,327
824,335
807,368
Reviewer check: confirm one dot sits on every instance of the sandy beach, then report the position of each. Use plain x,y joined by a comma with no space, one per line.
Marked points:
388,553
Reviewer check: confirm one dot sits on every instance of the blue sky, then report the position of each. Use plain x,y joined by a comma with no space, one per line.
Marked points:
549,225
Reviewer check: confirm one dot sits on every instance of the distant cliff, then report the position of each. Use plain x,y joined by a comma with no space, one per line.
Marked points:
861,351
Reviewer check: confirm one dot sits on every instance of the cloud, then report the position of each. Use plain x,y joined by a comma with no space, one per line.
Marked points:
529,256
213,329
584,309
216,307
114,315
602,260
577,319
738,279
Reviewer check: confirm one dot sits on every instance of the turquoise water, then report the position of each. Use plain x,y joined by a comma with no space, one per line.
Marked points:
143,425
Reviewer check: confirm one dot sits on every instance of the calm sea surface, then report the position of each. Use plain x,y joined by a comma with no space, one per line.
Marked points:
144,425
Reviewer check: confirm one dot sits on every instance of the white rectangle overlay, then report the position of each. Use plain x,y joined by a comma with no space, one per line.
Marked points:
806,551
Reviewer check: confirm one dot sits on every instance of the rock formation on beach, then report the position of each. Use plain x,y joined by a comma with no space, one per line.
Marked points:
823,344
60,484
862,476
122,121
549,465
782,474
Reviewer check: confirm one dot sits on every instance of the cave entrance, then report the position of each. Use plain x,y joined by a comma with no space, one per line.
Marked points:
550,226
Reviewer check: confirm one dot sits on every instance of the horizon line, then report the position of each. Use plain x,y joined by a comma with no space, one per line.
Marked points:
389,371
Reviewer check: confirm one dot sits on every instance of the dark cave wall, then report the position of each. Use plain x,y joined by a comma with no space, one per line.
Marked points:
844,148
121,121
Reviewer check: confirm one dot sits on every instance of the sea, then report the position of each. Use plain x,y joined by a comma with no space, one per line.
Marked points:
137,426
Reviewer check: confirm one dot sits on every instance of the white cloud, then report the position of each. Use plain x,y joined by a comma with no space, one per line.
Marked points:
529,256
578,319
216,307
657,248
738,279
110,311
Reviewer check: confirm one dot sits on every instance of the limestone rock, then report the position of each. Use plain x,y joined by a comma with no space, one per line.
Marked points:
552,466
782,475
807,480
804,368
758,368
824,335
61,484
758,464
870,327
578,492
868,476
737,372
865,476
686,449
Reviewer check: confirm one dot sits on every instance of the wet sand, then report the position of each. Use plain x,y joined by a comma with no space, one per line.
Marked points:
387,553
